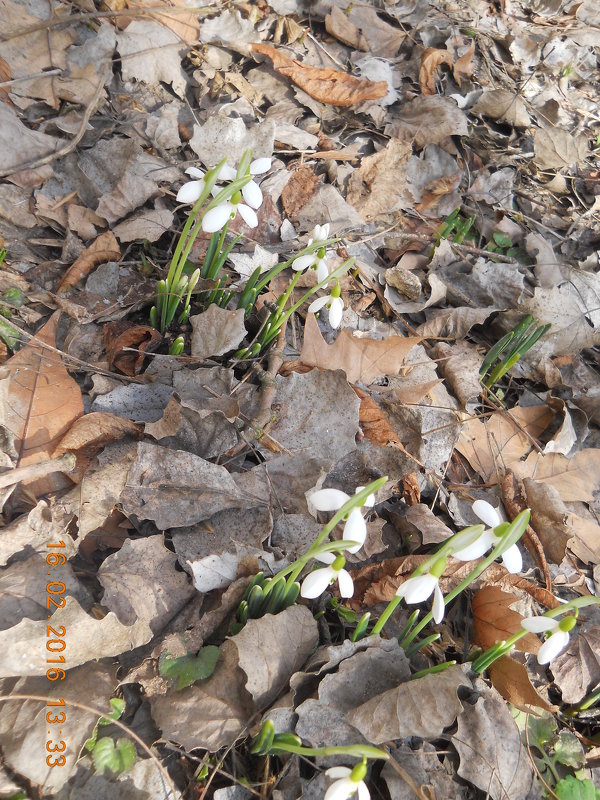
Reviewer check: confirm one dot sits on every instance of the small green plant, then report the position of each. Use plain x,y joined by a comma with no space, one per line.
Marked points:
186,670
116,756
455,227
558,758
505,353
502,245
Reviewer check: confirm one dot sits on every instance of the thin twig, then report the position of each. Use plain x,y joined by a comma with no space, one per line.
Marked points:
65,463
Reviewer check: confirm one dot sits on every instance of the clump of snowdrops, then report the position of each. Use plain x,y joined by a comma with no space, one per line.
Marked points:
217,197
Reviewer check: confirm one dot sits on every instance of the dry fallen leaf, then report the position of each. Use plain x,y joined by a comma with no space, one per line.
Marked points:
492,756
463,66
41,402
575,478
494,620
431,58
92,432
119,336
330,86
362,359
104,248
511,680
374,422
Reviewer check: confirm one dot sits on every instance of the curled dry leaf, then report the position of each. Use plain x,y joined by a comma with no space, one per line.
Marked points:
41,402
330,86
118,336
104,248
431,58
91,433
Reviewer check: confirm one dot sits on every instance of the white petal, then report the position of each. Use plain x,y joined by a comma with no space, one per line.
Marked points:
539,624
340,790
338,772
328,499
345,583
195,172
363,792
326,558
227,173
318,304
486,513
260,165
217,217
190,192
438,605
303,262
321,232
322,270
355,530
418,589
476,549
316,583
248,215
336,312
552,647
512,559
252,195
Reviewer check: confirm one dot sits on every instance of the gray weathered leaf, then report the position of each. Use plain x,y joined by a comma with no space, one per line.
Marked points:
492,756
174,488
216,331
423,708
272,648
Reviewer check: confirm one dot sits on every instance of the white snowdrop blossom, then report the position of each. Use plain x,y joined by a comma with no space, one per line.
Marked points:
317,581
355,529
348,782
217,217
416,590
317,259
511,558
335,304
558,638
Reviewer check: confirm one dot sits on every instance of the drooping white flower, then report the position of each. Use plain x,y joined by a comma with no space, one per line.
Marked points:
355,529
511,558
346,785
317,581
335,304
317,259
558,639
416,590
215,218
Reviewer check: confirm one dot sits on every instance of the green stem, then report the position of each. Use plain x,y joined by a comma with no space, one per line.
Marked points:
354,750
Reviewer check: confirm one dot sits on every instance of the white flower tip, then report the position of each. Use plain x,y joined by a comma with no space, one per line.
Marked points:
336,312
260,165
328,499
486,513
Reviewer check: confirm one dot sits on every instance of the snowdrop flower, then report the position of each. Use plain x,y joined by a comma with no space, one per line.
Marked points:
316,582
216,218
335,304
511,558
315,260
558,638
416,590
355,529
348,782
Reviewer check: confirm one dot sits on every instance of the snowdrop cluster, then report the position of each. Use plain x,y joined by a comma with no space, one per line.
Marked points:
216,218
355,529
318,261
